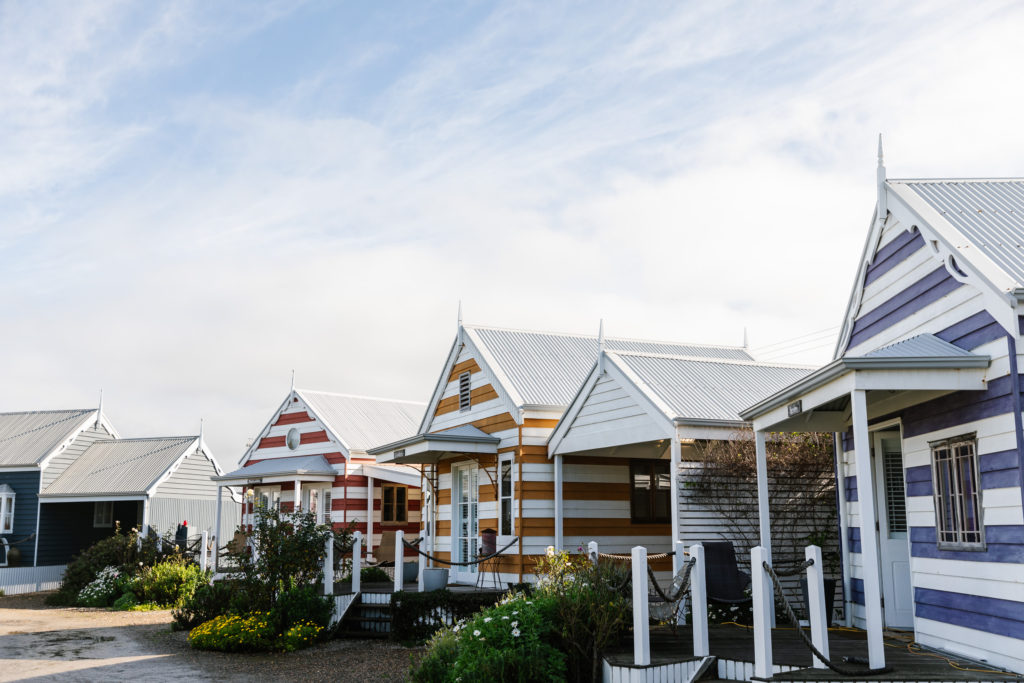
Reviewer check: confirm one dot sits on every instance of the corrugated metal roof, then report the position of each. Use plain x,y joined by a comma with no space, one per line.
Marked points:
308,464
119,467
547,368
27,438
708,389
921,346
362,422
990,213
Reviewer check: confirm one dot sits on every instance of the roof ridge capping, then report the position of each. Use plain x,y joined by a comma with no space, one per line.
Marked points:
607,337
704,359
47,412
359,396
1009,179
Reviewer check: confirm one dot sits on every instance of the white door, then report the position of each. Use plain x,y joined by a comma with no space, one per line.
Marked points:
465,498
893,544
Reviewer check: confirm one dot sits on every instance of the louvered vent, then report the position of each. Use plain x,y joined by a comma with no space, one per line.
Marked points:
464,391
895,499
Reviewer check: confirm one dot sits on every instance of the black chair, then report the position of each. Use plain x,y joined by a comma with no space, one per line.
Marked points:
725,582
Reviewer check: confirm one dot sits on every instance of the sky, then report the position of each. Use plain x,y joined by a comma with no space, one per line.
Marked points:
198,198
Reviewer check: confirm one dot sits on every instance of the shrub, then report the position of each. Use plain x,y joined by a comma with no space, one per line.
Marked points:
103,589
507,642
415,616
300,606
300,635
169,583
233,633
126,602
373,575
208,601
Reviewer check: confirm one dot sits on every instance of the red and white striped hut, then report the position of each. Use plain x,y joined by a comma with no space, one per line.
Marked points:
315,444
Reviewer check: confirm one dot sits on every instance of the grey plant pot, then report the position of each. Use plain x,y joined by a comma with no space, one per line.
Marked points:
435,578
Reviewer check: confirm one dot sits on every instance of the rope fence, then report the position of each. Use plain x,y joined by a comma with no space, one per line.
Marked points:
452,563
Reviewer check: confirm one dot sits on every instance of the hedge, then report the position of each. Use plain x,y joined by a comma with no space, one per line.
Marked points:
416,616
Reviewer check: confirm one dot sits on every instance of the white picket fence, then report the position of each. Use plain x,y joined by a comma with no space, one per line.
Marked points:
18,580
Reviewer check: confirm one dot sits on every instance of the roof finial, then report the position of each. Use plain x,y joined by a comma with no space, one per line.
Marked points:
460,313
883,208
99,411
199,444
746,343
293,379
458,329
600,347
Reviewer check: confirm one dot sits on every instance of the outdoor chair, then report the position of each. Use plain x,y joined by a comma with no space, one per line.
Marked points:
725,582
384,554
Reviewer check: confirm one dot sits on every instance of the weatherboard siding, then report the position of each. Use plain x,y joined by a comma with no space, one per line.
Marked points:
26,495
65,529
62,460
609,413
891,254
167,512
313,433
191,479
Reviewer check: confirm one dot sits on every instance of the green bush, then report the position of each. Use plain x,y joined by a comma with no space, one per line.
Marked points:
416,616
170,583
233,633
373,575
302,605
102,590
207,602
510,641
126,601
300,635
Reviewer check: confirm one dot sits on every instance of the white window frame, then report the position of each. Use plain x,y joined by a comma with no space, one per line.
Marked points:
508,458
7,512
326,500
103,514
273,494
954,538
465,391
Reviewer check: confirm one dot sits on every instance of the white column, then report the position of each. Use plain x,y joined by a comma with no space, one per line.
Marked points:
329,566
369,516
216,532
844,527
592,551
421,565
816,603
203,545
699,601
764,514
675,455
357,550
641,609
559,516
868,532
762,594
399,558
297,505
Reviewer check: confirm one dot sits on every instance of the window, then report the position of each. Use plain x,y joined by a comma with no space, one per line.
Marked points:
958,522
325,515
6,509
293,439
464,396
650,498
103,514
505,525
393,503
268,498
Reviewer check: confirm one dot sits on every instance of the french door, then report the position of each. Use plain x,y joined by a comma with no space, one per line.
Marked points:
893,544
465,501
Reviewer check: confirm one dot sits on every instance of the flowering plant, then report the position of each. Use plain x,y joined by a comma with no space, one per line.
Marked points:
105,587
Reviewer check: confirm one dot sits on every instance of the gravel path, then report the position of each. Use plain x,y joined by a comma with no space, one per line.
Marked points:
78,644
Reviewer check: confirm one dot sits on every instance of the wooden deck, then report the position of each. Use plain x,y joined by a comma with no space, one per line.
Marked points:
736,643
341,587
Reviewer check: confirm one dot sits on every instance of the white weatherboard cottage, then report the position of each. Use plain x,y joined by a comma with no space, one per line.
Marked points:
926,394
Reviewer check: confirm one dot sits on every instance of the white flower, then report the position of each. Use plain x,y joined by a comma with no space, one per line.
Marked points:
515,611
515,623
487,619
515,633
476,632
505,618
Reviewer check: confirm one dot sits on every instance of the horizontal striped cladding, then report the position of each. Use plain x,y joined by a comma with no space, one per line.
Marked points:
992,615
1004,543
313,437
271,442
853,539
572,490
359,504
469,366
959,407
973,331
478,395
892,254
998,470
497,423
857,591
850,484
293,418
929,289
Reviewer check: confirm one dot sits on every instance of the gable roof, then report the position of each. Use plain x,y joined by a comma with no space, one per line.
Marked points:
120,467
26,438
546,368
360,422
989,213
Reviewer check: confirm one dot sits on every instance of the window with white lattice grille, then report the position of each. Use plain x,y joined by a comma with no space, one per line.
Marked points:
464,396
957,485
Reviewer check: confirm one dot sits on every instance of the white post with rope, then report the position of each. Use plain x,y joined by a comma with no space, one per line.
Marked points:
357,550
762,592
203,545
399,558
329,566
592,552
421,567
816,604
641,609
699,602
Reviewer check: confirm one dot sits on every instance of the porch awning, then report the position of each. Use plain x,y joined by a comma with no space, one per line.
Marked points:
428,448
903,370
396,474
305,468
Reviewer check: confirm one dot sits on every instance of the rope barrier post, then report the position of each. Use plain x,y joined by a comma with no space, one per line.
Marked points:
762,597
699,601
357,550
816,604
203,559
641,608
399,558
419,570
329,566
592,552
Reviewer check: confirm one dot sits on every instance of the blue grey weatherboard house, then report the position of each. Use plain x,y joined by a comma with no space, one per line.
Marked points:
67,480
925,397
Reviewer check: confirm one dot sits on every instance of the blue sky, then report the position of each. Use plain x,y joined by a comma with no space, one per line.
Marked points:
197,198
